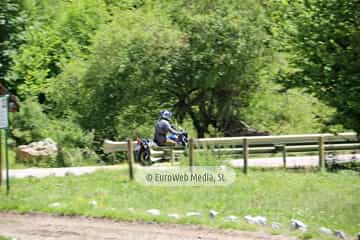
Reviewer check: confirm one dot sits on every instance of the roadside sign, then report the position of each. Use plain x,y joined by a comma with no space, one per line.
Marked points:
4,121
4,125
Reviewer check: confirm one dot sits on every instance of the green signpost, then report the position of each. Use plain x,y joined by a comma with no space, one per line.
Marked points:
4,126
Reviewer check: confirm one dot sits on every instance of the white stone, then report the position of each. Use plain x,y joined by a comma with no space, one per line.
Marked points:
193,214
298,225
174,216
255,220
213,213
340,234
260,220
325,231
231,218
275,225
153,212
55,204
249,219
93,203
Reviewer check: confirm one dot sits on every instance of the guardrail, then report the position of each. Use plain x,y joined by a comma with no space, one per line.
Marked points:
258,144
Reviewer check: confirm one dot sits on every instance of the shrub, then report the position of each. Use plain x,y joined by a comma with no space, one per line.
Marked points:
32,124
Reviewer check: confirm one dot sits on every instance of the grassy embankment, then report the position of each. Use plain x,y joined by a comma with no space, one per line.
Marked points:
318,199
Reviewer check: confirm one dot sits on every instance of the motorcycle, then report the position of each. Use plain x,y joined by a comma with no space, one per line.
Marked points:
144,145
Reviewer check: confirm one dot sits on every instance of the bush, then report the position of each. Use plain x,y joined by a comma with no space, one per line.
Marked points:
291,112
32,124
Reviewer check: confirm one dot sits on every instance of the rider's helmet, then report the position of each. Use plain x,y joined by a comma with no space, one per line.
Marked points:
166,115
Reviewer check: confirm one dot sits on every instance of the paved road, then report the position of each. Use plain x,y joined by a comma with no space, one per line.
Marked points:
304,161
48,227
45,172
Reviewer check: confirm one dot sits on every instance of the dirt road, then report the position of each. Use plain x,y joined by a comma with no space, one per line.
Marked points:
42,226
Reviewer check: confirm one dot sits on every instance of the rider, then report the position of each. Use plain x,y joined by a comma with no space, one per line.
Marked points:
162,128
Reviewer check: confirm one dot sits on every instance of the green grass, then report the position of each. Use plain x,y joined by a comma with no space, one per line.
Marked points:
4,238
318,199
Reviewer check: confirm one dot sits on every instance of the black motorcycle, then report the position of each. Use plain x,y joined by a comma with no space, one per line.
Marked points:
143,147
143,151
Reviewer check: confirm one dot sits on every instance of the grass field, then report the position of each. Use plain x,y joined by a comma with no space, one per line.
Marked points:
318,199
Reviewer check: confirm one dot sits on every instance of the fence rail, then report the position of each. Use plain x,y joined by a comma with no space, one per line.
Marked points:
257,144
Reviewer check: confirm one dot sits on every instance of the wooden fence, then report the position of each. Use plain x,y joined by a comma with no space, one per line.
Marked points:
257,144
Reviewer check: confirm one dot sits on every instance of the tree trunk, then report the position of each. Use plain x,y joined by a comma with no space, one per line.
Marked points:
200,128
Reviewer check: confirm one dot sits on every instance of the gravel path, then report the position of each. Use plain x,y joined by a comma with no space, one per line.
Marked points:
44,226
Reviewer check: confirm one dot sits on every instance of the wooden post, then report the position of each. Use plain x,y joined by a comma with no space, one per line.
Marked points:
322,153
245,154
191,152
131,158
284,156
171,153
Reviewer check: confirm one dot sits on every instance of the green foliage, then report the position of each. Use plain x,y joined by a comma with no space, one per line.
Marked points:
51,42
215,73
326,50
12,21
111,66
288,112
203,64
127,58
32,124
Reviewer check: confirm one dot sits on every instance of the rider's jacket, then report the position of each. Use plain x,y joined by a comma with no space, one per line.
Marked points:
162,128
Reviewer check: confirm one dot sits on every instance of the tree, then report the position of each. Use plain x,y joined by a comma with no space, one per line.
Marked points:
51,41
128,58
326,60
199,59
12,22
214,74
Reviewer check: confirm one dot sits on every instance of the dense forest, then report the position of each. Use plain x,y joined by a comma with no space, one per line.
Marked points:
85,70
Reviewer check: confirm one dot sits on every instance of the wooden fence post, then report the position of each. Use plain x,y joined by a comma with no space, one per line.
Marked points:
322,153
191,152
131,158
284,156
245,154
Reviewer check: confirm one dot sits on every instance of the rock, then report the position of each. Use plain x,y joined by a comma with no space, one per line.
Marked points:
193,214
298,225
231,218
275,225
93,203
325,231
340,234
213,213
153,212
55,204
260,220
174,216
255,220
249,219
36,150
